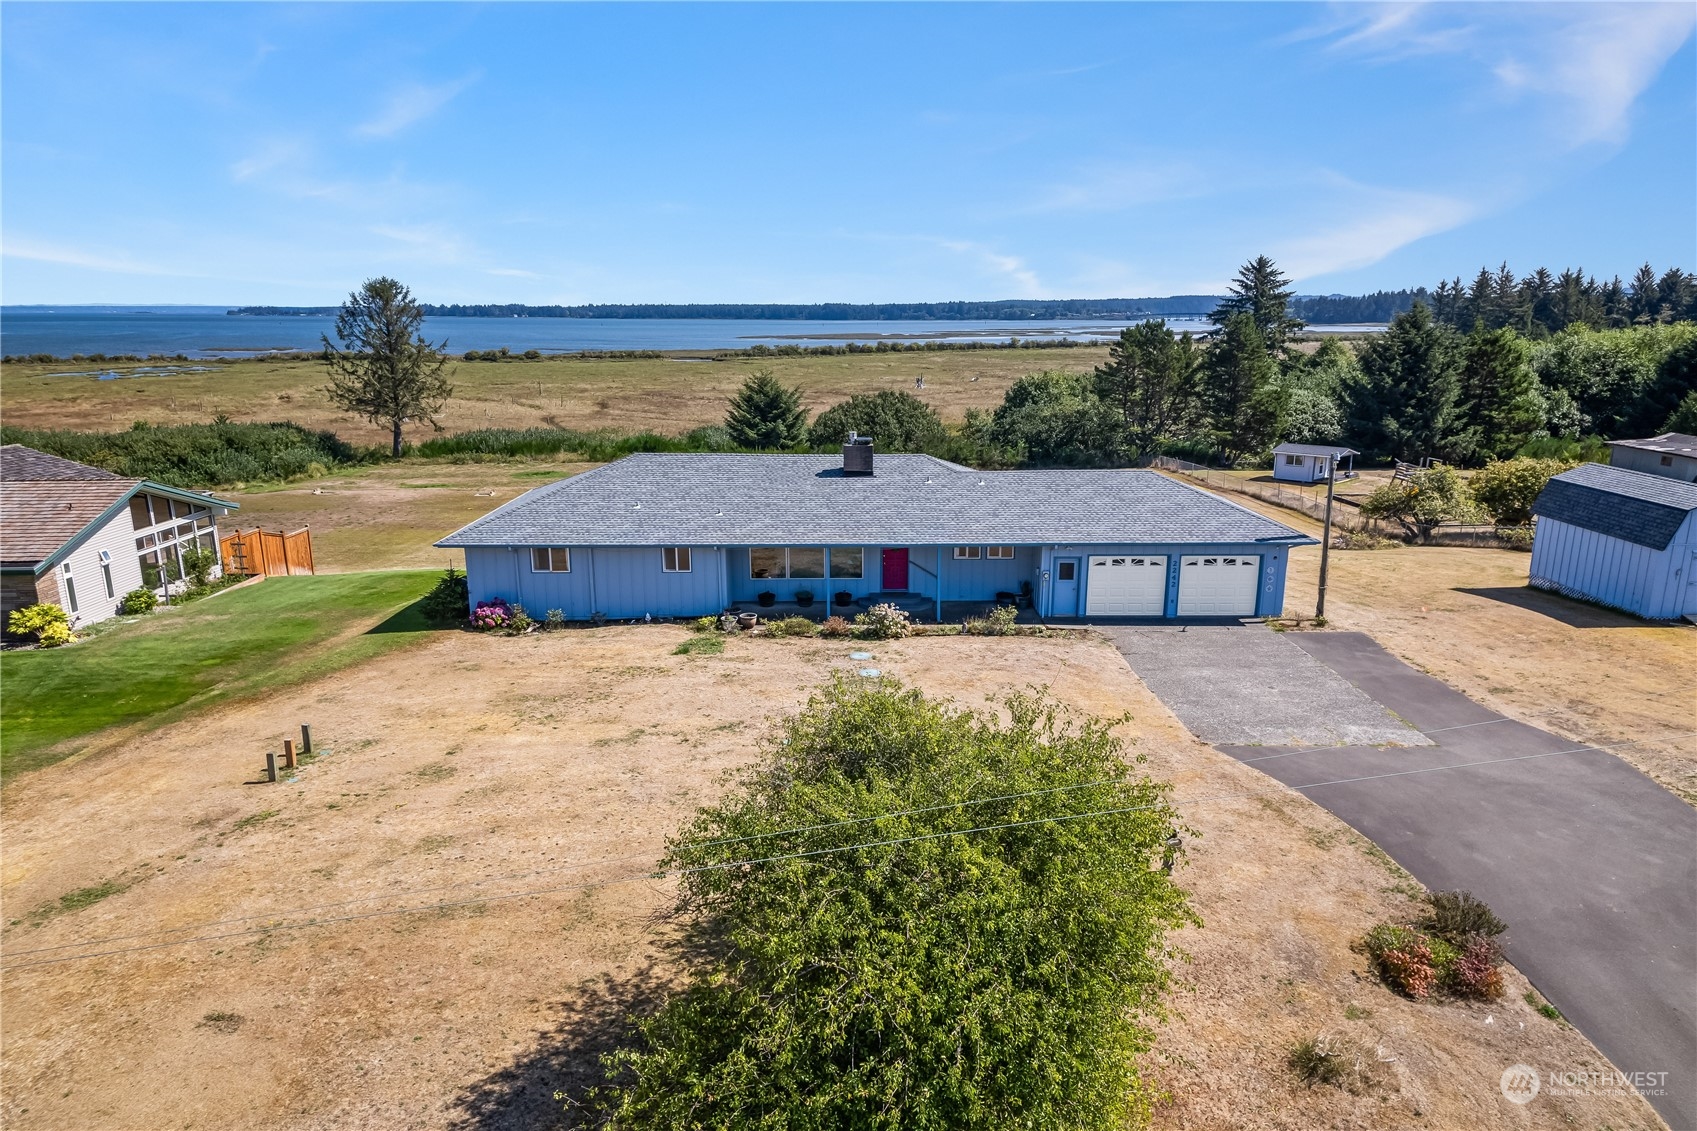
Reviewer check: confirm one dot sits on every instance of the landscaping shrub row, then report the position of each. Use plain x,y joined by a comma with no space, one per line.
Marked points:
198,455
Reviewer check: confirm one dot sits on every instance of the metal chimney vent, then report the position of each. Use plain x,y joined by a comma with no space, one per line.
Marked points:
857,454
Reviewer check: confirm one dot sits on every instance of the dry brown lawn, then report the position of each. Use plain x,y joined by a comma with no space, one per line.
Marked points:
543,773
668,395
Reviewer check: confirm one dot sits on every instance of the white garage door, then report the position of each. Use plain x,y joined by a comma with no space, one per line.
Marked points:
1126,587
1217,586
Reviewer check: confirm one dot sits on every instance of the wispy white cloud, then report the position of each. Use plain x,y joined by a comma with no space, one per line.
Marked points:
269,157
412,103
1110,187
117,262
1011,267
1592,61
1365,224
511,272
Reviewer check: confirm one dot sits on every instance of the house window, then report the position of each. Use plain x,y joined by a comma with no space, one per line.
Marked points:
790,561
967,552
151,575
998,552
768,561
807,561
1293,461
70,587
106,573
1066,571
550,559
848,562
674,559
1667,461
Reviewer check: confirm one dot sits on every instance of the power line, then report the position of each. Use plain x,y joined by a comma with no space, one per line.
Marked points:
443,906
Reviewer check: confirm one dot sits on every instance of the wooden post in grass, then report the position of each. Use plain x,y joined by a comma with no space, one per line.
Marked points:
1326,538
306,738
270,765
288,753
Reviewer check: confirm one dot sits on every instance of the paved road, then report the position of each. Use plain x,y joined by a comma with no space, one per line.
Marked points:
1592,864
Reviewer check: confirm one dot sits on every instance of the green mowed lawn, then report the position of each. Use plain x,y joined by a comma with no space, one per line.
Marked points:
278,632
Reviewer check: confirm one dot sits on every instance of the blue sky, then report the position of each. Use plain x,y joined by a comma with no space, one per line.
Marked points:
275,153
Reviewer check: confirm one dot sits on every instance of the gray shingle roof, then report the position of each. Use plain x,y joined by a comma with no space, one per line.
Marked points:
1313,450
19,464
755,500
1677,443
1634,506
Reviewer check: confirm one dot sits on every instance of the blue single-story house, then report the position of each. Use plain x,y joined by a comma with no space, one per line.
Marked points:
1626,539
684,535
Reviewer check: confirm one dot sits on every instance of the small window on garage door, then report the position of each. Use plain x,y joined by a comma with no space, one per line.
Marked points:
1218,585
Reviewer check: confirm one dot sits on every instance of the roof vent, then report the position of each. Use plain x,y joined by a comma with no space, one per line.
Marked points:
857,454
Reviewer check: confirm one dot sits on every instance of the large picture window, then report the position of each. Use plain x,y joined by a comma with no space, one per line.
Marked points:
765,562
550,559
674,559
848,562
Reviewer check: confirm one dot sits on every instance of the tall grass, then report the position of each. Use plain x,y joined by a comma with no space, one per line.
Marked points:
596,446
198,455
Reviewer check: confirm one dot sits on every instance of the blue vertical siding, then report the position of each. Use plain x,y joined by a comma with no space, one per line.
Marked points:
621,582
1655,584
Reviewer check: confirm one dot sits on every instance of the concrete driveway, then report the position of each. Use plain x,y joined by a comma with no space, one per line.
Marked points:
1592,864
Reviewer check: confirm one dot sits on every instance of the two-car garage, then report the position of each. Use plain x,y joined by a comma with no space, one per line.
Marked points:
1209,585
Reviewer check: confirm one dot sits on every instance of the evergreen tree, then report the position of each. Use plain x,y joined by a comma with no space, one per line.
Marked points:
1149,379
896,421
1644,304
1674,384
1240,389
1403,403
385,370
1499,398
1262,292
766,414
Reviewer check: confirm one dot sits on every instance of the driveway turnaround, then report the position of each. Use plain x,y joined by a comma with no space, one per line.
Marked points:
1243,683
1592,864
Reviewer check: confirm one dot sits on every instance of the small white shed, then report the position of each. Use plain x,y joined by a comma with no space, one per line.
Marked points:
1307,463
1626,539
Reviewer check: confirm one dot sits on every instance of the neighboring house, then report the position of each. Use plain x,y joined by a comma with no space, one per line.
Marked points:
1621,538
689,535
1672,454
80,538
1307,463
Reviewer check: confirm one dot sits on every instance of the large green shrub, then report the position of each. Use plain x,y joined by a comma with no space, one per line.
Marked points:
884,622
197,455
138,601
862,960
1507,488
449,599
896,421
1430,498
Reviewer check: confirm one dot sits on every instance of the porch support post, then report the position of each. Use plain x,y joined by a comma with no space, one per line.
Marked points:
827,581
939,585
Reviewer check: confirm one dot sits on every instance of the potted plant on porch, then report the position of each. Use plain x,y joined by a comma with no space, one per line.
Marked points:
844,598
804,598
767,599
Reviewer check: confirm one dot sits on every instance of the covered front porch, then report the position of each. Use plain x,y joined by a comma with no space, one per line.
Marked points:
925,581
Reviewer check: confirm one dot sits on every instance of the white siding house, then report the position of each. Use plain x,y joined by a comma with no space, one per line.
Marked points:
1308,463
80,537
1621,538
1672,454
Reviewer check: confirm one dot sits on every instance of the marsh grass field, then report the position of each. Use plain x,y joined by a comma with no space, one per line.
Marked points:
670,394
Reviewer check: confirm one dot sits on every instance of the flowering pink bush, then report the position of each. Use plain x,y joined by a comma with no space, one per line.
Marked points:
491,615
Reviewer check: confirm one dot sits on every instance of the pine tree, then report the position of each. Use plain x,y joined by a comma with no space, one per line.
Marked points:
766,414
1499,401
1403,403
1644,304
1240,389
1149,379
385,370
1262,292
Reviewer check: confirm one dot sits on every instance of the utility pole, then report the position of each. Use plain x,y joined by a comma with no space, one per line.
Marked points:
1326,538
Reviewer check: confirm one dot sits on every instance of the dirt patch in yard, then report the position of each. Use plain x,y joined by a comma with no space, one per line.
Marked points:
546,771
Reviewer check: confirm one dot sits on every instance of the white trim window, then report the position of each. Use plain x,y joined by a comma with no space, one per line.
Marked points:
848,563
550,559
1293,461
674,559
69,585
777,562
968,553
1003,552
106,574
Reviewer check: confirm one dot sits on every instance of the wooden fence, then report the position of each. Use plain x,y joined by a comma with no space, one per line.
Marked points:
270,553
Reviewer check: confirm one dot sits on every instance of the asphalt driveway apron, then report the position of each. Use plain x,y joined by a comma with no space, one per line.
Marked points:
1592,864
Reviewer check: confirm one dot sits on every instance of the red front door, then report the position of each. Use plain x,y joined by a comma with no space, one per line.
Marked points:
895,571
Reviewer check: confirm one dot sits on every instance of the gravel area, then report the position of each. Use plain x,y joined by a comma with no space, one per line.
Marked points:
1245,685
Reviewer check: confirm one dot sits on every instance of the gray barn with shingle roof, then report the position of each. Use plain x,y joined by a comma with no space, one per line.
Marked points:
693,534
1626,539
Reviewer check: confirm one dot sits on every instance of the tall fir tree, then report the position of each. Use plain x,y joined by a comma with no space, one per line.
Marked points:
1241,392
1402,405
1499,402
1262,292
1644,301
1149,380
766,414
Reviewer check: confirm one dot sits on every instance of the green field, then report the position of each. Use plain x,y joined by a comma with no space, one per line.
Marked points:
281,631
